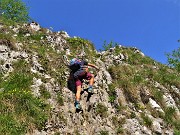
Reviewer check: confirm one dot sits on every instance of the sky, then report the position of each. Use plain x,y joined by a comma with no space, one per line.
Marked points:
153,26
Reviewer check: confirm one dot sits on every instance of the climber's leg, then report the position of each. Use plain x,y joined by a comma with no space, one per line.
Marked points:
90,77
78,94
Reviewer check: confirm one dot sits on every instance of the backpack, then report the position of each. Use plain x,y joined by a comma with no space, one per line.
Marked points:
75,64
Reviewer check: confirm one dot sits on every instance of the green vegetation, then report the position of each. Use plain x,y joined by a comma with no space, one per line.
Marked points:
112,93
107,46
57,133
22,66
119,130
62,119
104,132
146,120
169,113
158,95
123,77
80,45
132,115
17,81
118,124
167,77
20,112
60,99
14,10
174,59
101,110
136,75
44,93
176,124
76,132
169,117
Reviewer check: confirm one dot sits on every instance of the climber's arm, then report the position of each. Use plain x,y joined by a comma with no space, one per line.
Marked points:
92,65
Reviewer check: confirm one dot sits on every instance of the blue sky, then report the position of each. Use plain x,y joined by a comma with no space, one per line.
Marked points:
153,26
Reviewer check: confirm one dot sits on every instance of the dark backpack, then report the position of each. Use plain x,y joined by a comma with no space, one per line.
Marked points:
75,64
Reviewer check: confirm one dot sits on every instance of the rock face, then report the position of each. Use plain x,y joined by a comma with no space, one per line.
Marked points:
133,106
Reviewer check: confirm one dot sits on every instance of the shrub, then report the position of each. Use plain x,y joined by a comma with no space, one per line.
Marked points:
107,46
174,59
14,10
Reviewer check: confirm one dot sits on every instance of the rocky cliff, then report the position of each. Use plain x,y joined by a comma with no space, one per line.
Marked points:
134,95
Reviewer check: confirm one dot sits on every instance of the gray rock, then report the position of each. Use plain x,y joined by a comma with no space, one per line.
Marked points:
155,106
156,127
35,26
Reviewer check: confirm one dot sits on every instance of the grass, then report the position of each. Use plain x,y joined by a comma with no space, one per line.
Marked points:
157,94
112,93
44,93
170,119
176,124
103,132
133,77
118,122
22,66
169,114
107,46
119,130
62,119
79,45
146,120
17,81
76,132
167,77
60,99
123,77
176,132
8,125
101,110
132,115
18,106
20,112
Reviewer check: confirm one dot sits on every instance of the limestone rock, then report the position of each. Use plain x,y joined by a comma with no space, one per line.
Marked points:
156,127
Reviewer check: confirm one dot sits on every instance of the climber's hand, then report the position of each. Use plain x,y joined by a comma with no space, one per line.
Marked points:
97,68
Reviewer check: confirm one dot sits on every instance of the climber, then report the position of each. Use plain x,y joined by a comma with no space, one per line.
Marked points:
79,69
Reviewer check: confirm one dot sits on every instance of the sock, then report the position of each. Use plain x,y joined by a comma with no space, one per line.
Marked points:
76,102
90,86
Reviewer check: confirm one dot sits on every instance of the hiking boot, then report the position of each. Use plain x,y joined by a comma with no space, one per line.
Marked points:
90,90
78,106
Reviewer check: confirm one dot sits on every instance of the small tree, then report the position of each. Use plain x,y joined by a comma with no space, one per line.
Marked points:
174,59
15,10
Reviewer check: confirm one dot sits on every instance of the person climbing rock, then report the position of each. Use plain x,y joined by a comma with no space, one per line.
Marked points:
79,70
